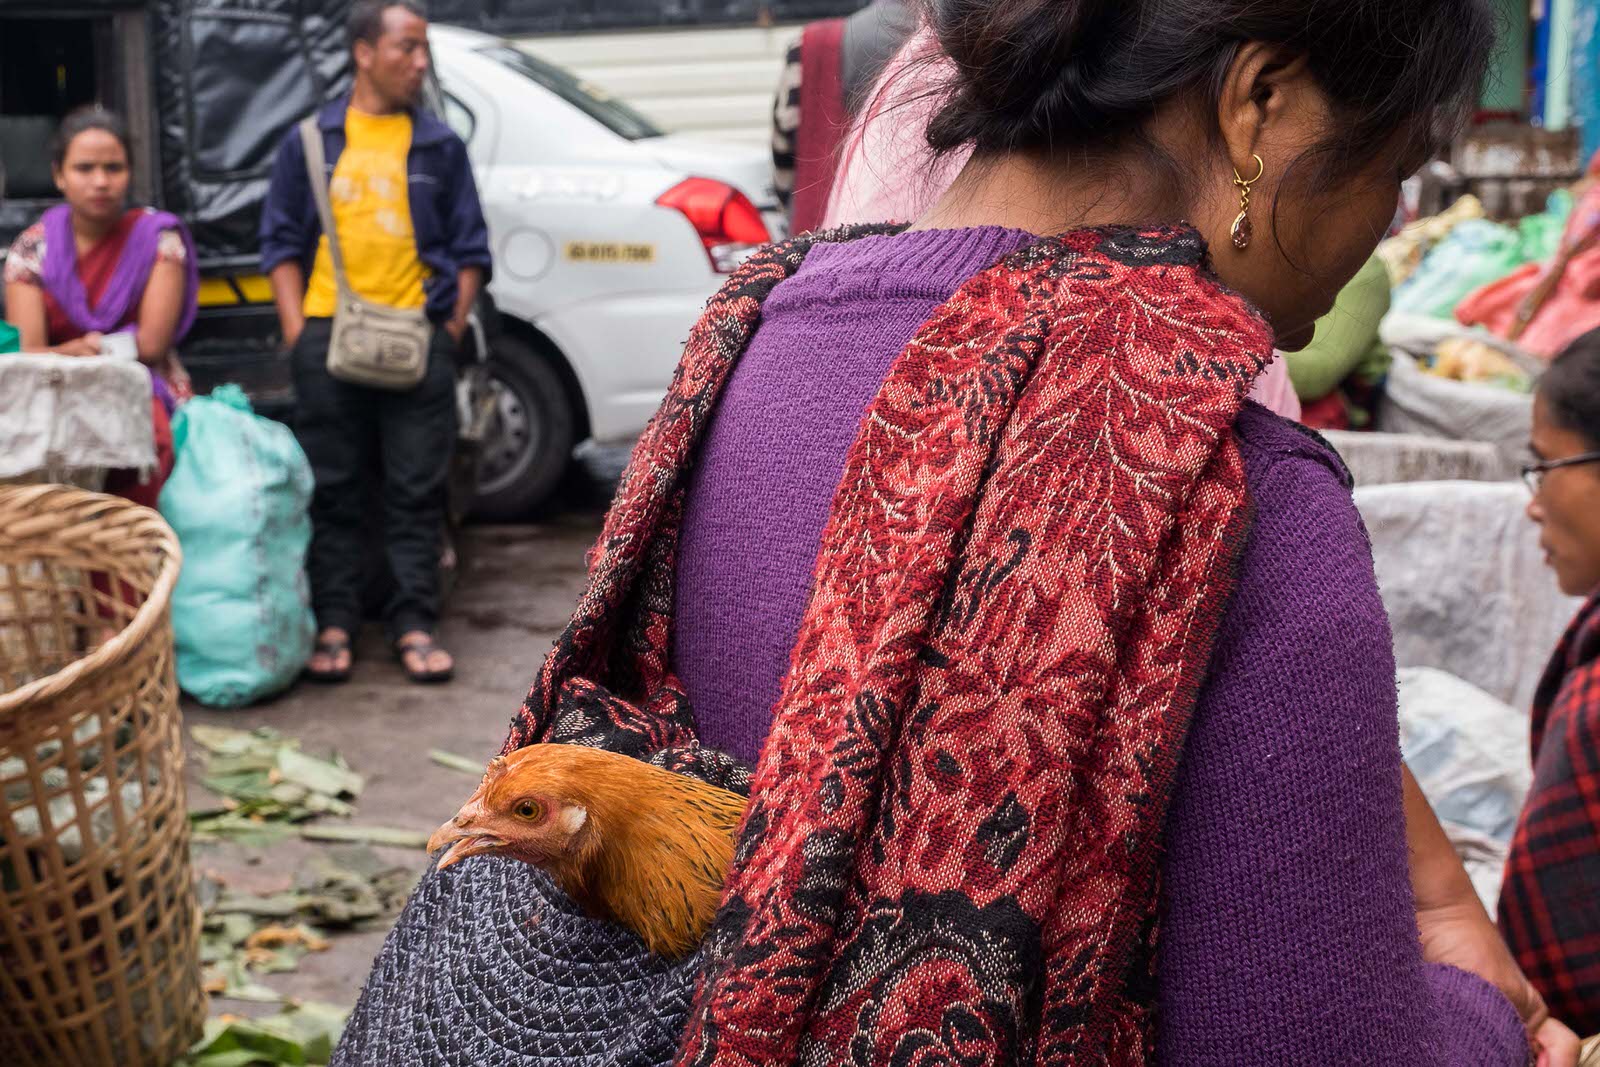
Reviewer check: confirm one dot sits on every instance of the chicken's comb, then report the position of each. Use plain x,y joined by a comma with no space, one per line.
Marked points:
493,772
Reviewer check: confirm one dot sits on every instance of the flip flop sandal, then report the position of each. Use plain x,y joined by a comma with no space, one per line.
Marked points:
423,647
333,649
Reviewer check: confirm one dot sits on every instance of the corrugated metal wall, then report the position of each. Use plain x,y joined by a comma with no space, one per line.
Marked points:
718,83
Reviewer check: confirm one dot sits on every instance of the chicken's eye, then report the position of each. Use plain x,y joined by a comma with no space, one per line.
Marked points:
527,809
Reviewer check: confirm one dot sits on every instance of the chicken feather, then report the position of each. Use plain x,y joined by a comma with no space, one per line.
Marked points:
628,842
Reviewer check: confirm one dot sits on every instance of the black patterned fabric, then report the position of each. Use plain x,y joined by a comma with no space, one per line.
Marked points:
490,964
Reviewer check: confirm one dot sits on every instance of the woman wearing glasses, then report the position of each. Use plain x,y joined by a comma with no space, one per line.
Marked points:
1550,902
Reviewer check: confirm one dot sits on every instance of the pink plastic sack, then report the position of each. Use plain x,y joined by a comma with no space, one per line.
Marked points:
1572,310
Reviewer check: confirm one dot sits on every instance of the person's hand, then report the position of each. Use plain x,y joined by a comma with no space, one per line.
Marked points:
1555,1045
1462,936
291,333
87,345
457,329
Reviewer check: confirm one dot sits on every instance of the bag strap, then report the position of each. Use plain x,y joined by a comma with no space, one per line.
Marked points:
317,171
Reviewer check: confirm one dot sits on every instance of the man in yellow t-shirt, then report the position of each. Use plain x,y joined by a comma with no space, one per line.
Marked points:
412,235
372,210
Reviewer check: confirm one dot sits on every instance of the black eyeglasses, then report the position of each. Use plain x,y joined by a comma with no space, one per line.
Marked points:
1533,474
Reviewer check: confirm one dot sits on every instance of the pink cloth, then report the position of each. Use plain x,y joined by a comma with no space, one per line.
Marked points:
1273,390
887,172
1569,312
823,122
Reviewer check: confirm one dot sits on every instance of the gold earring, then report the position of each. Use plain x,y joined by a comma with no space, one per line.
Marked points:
1241,225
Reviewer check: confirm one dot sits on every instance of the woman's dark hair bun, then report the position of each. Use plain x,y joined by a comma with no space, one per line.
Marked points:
1020,65
1047,74
82,120
1570,388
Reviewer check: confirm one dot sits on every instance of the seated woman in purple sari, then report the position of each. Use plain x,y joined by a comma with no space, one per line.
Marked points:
92,268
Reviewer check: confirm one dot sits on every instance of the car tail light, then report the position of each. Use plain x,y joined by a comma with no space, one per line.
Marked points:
728,223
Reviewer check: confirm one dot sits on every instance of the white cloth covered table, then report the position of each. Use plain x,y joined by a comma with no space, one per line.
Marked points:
62,416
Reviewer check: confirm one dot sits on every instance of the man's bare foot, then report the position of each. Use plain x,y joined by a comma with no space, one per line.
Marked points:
331,658
423,660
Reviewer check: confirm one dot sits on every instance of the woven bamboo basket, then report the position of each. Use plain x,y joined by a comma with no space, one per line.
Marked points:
99,959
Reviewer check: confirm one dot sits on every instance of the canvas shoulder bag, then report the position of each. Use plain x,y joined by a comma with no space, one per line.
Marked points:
372,345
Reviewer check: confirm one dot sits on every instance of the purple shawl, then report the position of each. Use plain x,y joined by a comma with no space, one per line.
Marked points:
59,271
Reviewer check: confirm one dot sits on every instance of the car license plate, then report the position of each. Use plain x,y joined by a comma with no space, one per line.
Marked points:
608,252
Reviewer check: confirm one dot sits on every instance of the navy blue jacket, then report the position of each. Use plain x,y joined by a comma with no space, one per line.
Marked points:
445,214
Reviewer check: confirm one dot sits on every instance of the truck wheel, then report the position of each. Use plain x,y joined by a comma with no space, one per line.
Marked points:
527,445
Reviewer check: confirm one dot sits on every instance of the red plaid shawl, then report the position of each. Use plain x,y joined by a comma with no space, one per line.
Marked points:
950,853
1550,900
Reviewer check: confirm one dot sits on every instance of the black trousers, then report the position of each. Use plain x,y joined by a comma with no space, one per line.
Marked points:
359,438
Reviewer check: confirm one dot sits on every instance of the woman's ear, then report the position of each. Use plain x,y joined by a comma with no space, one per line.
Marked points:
1266,99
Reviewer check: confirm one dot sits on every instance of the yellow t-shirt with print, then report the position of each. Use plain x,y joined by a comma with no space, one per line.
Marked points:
372,211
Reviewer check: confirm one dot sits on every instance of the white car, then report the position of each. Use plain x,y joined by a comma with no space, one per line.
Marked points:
608,238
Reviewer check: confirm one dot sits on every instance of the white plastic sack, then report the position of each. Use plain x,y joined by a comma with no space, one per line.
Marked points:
1469,753
1385,458
62,415
1465,583
1416,402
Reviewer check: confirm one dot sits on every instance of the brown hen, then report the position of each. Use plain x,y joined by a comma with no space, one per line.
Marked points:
626,841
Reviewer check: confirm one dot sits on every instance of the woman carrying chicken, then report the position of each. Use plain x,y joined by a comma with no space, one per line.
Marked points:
1063,670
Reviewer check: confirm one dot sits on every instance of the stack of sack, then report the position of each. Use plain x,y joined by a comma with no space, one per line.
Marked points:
1475,614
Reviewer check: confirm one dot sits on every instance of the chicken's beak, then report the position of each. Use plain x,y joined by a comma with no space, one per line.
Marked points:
463,836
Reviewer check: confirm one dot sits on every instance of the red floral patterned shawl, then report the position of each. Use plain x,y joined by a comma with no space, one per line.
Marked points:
950,853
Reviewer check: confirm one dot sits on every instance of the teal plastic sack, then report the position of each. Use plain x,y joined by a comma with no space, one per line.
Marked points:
1478,252
238,499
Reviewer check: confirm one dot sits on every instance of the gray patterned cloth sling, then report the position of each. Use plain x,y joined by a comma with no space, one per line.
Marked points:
492,965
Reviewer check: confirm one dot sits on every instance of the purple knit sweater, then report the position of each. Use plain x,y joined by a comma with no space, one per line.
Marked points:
1289,932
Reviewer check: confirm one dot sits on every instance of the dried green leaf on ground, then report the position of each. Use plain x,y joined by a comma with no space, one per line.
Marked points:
456,763
342,887
226,741
266,784
236,947
373,835
301,1035
232,979
246,935
269,790
318,776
